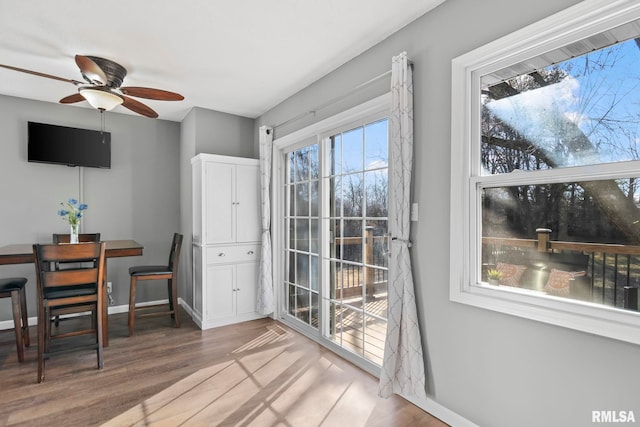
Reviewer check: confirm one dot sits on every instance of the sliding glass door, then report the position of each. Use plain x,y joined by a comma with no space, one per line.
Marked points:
336,198
302,228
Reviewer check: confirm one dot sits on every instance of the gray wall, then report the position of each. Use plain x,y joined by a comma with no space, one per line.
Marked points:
222,133
493,369
138,198
188,132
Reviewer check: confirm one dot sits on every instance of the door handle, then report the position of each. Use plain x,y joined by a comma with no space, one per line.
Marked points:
387,244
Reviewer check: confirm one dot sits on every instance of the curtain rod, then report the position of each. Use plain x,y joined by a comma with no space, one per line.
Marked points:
334,100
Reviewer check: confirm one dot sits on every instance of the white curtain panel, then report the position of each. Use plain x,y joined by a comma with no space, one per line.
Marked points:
264,304
403,363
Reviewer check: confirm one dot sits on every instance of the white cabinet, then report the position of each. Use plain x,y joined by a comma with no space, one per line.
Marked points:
231,285
226,200
226,239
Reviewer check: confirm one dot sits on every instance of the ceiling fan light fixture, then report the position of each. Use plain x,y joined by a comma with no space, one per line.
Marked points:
101,99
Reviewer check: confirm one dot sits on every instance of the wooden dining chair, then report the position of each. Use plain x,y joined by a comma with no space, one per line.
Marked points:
14,288
167,272
73,290
66,238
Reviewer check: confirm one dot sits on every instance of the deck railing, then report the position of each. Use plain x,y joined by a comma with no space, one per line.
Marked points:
613,271
352,276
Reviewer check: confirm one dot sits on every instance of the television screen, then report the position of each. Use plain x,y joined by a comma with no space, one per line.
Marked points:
68,146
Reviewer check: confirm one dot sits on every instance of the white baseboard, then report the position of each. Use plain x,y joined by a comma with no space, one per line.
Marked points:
8,324
441,412
208,324
114,309
186,307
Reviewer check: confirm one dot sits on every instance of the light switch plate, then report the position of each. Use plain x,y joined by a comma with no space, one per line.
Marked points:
414,212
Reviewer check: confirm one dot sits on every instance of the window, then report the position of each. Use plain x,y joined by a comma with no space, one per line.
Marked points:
545,167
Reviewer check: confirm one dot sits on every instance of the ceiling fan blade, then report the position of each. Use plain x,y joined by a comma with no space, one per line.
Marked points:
91,71
138,107
36,73
149,93
76,97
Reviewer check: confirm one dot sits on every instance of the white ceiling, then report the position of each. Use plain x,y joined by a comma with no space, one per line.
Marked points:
237,56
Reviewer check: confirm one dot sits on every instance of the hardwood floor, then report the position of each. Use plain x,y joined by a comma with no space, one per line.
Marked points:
257,373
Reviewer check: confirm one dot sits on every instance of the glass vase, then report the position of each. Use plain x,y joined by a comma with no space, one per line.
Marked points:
73,233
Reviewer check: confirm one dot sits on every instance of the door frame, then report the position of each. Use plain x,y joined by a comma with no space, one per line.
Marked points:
312,134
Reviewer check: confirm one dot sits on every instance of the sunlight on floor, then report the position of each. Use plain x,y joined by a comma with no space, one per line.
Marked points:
267,382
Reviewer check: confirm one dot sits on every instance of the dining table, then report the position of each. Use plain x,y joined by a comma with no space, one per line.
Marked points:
22,253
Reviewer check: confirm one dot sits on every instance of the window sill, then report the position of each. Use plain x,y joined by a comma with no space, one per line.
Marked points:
538,306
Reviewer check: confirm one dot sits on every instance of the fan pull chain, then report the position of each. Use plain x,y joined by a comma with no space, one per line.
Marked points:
102,124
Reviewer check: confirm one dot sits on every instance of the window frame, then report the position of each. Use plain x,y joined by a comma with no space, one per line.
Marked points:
585,19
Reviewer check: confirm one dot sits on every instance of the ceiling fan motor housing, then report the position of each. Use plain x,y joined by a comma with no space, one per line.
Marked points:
115,72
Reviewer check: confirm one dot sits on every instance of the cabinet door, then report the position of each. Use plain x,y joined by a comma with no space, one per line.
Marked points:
246,286
220,203
248,203
220,291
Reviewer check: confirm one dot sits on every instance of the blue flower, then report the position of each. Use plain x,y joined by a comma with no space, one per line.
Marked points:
72,211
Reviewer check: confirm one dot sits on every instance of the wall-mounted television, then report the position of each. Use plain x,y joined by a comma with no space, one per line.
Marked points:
68,146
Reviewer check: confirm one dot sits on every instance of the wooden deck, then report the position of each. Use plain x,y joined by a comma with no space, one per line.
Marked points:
362,334
612,272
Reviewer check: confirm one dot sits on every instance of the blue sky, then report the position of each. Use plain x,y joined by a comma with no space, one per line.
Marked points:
373,152
603,83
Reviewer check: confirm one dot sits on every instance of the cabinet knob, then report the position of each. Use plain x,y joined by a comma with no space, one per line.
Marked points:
222,254
250,253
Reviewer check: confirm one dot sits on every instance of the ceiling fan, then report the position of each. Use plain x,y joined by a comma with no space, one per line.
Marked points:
102,86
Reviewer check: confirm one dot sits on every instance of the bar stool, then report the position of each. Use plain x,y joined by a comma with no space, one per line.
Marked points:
14,288
167,272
